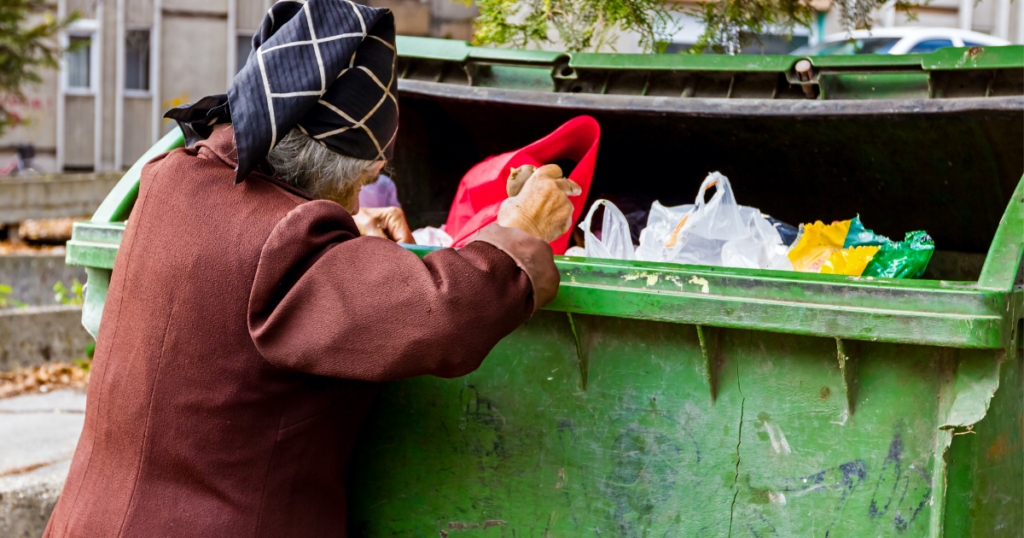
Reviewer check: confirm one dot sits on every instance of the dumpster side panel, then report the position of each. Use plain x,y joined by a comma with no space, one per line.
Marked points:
985,495
810,469
608,426
523,446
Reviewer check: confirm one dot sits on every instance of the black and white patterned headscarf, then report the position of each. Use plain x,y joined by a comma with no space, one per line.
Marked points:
324,66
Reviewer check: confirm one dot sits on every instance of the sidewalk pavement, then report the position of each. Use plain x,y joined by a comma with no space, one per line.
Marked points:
38,434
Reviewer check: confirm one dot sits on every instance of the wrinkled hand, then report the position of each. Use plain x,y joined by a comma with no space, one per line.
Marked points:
538,202
386,222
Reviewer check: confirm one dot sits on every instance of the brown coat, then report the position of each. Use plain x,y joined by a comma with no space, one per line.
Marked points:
241,332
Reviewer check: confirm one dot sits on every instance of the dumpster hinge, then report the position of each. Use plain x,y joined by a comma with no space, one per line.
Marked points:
584,358
710,339
846,351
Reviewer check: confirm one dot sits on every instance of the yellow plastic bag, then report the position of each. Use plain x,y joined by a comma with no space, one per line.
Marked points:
848,261
820,250
817,244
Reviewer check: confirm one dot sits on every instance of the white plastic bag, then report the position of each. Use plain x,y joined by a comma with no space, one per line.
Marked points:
718,232
432,237
615,242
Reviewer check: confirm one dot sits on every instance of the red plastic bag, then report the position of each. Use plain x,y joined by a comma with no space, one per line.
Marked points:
483,188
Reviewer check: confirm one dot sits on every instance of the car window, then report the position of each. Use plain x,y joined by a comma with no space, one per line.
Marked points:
973,44
930,45
867,45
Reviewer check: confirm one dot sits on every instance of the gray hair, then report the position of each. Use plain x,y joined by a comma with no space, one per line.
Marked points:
302,162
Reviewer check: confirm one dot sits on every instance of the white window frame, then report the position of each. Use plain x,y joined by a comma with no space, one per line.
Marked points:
132,92
82,28
238,34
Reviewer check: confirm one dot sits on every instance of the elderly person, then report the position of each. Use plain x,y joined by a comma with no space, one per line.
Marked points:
248,320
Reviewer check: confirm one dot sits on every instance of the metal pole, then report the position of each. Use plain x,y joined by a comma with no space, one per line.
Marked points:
232,40
1020,23
889,15
966,14
119,77
155,67
97,78
62,11
1003,19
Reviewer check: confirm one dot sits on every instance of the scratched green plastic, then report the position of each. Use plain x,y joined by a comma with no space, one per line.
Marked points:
1007,247
529,445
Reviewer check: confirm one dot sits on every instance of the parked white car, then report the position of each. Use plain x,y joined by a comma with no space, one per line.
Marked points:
903,40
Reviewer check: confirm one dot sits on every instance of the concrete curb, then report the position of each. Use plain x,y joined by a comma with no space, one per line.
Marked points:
53,196
32,276
40,335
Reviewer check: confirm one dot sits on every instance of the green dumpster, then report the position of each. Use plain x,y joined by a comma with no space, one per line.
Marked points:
655,400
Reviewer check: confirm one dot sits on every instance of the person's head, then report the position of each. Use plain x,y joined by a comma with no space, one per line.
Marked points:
303,163
339,90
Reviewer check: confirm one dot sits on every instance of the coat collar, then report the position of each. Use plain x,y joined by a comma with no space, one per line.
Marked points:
221,147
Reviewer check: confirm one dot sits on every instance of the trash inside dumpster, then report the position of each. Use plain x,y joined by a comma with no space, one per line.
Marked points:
572,147
718,232
668,399
847,248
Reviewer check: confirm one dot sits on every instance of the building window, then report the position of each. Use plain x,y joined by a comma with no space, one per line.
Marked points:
136,62
244,47
79,58
81,52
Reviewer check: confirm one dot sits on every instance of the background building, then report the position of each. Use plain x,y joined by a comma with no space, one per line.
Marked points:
104,107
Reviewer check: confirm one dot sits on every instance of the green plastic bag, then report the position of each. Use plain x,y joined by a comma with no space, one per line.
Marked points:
859,236
904,259
894,259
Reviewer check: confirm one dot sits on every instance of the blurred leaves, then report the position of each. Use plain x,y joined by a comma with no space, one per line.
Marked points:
578,25
731,24
85,364
6,300
28,43
73,296
45,378
589,25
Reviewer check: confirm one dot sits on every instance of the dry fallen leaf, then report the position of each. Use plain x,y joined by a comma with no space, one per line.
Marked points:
59,375
47,230
8,247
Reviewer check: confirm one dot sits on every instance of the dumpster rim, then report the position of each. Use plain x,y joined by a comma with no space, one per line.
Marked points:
707,107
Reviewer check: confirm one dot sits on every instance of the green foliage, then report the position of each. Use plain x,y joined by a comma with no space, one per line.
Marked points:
86,363
63,297
589,25
5,300
730,24
578,25
856,14
25,48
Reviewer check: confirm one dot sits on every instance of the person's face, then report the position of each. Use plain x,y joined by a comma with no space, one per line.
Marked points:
350,199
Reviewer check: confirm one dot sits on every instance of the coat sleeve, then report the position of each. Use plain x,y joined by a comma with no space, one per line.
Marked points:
327,302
